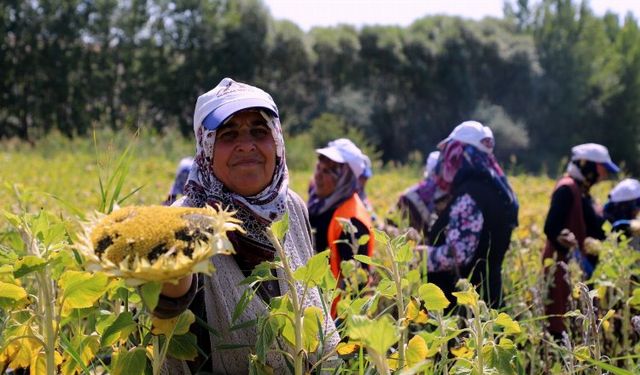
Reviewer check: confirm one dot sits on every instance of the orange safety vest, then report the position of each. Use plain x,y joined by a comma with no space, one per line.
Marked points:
351,208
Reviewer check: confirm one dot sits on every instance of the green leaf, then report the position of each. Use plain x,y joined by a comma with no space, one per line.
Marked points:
183,347
367,260
404,253
282,313
433,297
381,237
510,326
261,272
469,297
267,330
313,272
119,329
150,294
387,288
378,335
82,289
501,359
280,227
414,276
634,301
132,362
12,291
82,351
28,264
246,297
363,240
311,328
178,325
605,366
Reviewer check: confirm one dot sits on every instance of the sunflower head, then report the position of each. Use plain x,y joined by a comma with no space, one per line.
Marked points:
156,243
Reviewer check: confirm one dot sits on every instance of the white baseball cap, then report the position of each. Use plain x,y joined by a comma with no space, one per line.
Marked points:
344,151
432,161
626,190
470,132
227,98
596,153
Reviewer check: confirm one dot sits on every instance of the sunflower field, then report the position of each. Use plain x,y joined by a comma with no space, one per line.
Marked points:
60,314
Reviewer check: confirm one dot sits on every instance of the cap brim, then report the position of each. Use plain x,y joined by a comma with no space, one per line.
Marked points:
218,116
443,142
331,153
611,167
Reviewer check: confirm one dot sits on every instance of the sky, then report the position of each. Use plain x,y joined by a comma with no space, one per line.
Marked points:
309,13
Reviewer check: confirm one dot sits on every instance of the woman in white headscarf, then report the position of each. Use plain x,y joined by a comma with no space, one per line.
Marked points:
240,164
572,219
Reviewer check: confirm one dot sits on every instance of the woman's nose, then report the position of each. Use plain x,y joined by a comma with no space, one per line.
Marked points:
246,142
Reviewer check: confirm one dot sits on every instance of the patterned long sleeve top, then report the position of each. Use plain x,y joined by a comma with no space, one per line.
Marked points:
462,236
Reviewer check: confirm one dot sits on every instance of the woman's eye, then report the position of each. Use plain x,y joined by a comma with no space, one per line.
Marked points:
260,133
227,136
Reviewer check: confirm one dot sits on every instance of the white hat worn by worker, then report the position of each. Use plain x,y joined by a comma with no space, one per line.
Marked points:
626,190
344,151
473,133
596,153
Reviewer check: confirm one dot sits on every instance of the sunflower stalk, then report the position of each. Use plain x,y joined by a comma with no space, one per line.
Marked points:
46,300
275,234
397,278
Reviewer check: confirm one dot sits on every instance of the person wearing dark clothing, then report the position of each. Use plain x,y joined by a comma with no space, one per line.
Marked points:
622,209
333,197
345,250
416,203
471,236
334,202
572,218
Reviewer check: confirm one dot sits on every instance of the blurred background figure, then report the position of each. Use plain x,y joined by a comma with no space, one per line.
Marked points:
473,230
416,204
420,203
182,173
622,209
572,218
362,183
337,215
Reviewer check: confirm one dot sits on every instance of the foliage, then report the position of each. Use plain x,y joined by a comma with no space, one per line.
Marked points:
54,314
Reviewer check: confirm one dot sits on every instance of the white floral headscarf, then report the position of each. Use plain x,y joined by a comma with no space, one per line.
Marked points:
257,211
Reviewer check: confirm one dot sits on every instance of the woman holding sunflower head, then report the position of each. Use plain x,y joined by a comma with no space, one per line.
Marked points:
240,164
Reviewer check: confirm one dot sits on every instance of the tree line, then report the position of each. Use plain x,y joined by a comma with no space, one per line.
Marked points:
545,76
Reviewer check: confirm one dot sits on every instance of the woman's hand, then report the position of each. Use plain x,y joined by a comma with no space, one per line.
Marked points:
592,246
567,239
179,289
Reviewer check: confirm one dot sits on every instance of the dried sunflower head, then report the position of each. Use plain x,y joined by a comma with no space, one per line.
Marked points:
156,243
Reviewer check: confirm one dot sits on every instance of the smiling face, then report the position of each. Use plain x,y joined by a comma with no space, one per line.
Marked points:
244,156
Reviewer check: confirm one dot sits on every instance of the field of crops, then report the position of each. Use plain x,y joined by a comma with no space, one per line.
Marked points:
87,323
